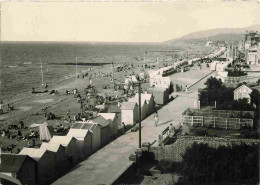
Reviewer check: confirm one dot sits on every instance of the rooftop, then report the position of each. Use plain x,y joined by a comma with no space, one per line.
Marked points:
78,133
35,153
53,147
128,105
63,140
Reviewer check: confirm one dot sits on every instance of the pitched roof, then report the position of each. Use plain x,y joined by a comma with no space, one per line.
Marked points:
101,121
12,162
53,147
136,100
35,153
78,133
243,86
114,109
107,116
128,105
63,140
88,126
77,125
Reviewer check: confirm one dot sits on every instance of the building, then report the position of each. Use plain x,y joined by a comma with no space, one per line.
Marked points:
114,122
144,106
105,129
221,66
21,167
252,47
149,98
45,162
83,140
242,92
161,95
61,161
129,113
159,81
95,130
70,144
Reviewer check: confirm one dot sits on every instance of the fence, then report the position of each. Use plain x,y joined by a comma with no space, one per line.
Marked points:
217,113
216,122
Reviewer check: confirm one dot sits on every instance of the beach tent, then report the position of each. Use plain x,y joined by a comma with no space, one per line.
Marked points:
83,138
15,165
70,144
43,130
45,164
114,122
61,161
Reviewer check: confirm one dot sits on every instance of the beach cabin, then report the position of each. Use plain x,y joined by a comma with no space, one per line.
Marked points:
144,106
83,138
161,95
129,113
114,122
242,92
20,167
149,98
70,144
213,65
105,129
95,130
61,161
45,161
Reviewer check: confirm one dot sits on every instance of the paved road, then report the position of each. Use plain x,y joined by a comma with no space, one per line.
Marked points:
108,163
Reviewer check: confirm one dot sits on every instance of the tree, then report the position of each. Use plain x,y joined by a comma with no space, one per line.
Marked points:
255,96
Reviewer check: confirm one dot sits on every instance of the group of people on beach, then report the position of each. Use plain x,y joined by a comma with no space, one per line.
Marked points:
9,107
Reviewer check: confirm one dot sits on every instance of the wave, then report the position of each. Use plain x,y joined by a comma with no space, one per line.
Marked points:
13,66
27,63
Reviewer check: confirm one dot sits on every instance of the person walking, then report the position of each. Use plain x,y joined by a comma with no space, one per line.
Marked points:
171,131
156,118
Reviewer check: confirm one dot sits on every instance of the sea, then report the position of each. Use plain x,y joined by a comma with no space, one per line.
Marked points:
25,65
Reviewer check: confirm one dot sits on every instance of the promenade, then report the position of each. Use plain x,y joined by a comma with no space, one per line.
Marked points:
107,164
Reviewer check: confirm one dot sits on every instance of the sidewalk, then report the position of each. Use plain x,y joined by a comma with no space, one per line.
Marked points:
104,166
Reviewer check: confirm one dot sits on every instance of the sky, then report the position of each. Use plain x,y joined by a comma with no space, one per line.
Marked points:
120,21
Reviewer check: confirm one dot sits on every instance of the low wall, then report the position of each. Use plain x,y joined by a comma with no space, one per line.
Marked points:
175,151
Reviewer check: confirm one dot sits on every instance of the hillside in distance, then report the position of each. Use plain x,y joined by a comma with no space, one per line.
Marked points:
229,34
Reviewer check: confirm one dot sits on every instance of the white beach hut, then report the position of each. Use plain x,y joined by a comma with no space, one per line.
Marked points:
84,141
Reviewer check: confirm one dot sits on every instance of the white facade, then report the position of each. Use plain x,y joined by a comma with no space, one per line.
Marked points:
129,114
242,92
114,122
159,81
83,141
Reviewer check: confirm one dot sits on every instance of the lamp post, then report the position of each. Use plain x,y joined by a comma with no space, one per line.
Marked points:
139,93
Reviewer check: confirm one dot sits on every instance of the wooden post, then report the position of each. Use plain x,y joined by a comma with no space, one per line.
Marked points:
202,121
214,123
215,104
226,123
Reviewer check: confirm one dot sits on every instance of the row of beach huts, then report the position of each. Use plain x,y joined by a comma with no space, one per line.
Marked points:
54,158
